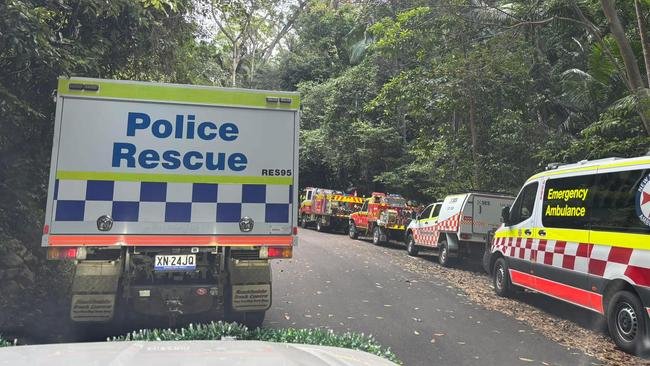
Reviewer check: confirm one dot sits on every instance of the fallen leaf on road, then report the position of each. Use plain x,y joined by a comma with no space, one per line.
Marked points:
307,316
387,305
433,340
461,343
286,316
416,332
526,359
380,317
439,334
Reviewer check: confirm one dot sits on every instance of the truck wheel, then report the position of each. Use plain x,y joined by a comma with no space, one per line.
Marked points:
443,254
501,278
319,225
627,322
253,319
352,231
411,248
376,236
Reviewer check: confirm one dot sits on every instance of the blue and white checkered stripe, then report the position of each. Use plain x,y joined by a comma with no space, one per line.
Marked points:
81,200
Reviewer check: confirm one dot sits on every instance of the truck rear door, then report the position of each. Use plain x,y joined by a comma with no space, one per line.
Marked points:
486,212
162,164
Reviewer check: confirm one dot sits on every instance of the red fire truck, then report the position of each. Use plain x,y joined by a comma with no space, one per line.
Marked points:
382,217
327,209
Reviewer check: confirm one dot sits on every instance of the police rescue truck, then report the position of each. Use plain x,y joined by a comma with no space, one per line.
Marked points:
456,227
171,199
581,233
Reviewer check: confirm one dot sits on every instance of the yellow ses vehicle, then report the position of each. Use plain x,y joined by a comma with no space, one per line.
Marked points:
581,233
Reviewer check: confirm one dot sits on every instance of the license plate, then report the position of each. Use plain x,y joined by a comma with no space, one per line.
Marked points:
176,262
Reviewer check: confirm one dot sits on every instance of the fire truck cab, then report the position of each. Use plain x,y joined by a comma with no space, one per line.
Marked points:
382,217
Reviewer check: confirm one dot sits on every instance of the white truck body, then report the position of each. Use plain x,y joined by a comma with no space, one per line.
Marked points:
459,221
185,170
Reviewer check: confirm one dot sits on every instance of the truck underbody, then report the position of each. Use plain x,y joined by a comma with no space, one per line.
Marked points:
226,283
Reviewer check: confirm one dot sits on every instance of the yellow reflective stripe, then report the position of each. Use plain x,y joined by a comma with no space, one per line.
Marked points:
607,238
558,172
625,240
593,167
172,178
178,93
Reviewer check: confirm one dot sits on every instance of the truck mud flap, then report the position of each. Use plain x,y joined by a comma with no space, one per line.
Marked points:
94,291
251,297
251,285
92,308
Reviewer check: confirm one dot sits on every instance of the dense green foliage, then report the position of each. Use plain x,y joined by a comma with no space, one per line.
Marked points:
219,330
448,96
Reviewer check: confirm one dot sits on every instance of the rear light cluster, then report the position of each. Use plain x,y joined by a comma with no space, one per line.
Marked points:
275,252
465,236
66,253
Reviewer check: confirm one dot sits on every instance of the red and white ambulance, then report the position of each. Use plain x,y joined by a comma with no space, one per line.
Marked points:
581,233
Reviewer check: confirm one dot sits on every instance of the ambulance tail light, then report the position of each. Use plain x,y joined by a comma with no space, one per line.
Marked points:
71,253
276,252
465,236
46,229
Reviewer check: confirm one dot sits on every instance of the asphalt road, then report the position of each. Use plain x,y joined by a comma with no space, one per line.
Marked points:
351,285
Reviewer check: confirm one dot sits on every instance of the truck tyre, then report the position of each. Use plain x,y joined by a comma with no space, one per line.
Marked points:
443,254
411,248
352,231
303,222
319,225
253,319
627,322
501,279
376,236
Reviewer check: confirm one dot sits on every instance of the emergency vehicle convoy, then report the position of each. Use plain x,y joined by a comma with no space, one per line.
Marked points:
456,227
382,217
171,199
327,209
581,233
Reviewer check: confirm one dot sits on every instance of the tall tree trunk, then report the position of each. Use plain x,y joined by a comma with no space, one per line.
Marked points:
631,66
473,129
235,62
643,33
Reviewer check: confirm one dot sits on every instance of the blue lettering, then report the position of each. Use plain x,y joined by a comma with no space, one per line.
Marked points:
137,121
228,131
162,128
210,164
237,162
187,160
123,150
148,159
179,126
171,159
203,134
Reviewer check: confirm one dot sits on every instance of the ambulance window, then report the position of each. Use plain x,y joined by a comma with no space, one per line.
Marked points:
436,210
567,202
622,202
522,209
426,212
